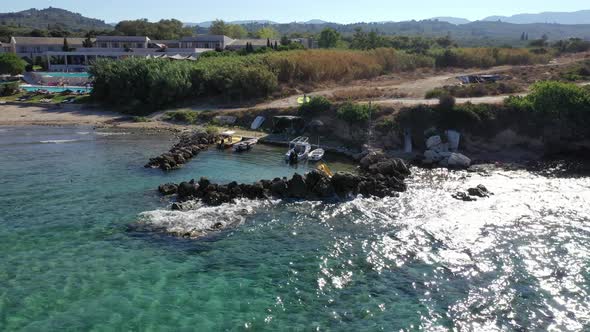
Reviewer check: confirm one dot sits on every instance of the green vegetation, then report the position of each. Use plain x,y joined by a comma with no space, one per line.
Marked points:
219,27
11,64
474,90
572,45
579,72
268,33
41,19
354,114
144,85
8,88
329,38
562,106
555,100
189,117
141,119
164,29
317,104
486,57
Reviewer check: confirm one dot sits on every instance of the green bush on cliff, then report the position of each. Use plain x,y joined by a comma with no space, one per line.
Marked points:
316,105
555,100
189,117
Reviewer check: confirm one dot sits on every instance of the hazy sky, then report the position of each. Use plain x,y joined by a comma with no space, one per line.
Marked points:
342,11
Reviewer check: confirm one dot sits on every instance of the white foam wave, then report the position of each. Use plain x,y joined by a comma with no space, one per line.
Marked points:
59,141
111,134
199,220
83,133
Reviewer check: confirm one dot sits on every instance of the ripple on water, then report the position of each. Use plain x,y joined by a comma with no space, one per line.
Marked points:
519,260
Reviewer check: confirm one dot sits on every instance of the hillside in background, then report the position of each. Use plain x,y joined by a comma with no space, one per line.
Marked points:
44,18
452,20
495,31
579,17
479,33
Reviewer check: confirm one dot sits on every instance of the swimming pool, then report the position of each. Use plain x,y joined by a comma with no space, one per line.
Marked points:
60,74
56,89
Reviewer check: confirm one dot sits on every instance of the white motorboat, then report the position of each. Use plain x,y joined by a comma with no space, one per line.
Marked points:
245,145
316,155
299,149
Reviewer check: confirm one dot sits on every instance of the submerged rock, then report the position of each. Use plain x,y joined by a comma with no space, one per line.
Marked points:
479,191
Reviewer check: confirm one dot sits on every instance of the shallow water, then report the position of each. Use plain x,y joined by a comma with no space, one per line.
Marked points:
519,260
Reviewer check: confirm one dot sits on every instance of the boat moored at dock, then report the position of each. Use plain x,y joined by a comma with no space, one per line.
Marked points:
228,139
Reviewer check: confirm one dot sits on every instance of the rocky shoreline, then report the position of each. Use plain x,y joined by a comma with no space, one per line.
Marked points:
189,146
380,176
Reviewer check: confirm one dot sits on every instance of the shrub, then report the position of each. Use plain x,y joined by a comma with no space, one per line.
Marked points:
316,105
189,117
486,57
446,102
212,130
474,90
141,119
579,72
9,88
11,64
354,113
555,99
436,93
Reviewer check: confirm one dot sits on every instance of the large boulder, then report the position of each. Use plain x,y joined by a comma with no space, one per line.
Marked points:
479,191
168,189
187,190
279,188
457,160
345,183
433,141
214,198
323,188
371,159
296,186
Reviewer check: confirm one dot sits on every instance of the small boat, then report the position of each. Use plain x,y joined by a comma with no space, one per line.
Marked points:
316,155
299,149
228,139
245,145
257,123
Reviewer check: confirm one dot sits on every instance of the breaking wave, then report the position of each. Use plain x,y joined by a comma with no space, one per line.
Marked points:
199,220
98,133
59,141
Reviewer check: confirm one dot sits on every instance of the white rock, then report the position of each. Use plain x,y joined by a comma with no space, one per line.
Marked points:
441,147
459,160
433,141
454,138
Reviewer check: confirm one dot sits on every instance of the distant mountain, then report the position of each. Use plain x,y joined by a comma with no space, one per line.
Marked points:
579,17
207,24
452,20
42,18
315,22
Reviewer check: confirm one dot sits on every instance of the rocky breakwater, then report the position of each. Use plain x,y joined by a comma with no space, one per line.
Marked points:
379,176
189,146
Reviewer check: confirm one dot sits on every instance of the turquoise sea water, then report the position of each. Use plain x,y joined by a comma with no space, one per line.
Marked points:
517,261
55,89
60,74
